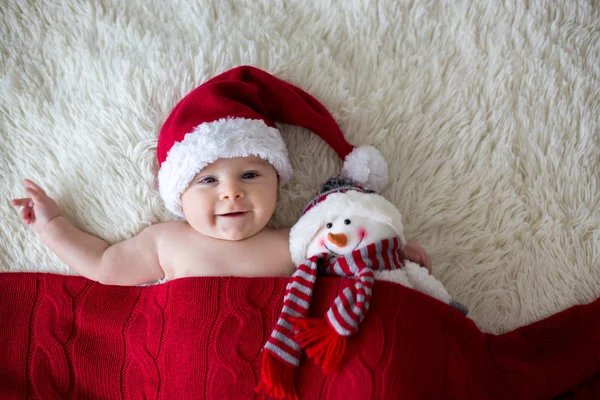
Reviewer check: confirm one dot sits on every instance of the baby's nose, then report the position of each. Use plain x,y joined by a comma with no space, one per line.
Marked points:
232,192
230,196
339,239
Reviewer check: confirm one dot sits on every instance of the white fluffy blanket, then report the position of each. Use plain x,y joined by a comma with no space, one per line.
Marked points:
488,113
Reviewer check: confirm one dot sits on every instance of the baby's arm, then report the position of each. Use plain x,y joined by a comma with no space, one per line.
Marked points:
415,253
130,262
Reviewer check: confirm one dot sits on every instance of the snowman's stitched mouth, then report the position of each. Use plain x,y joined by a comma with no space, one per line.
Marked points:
337,254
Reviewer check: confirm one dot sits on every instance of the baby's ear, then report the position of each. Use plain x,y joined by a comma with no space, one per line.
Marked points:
155,174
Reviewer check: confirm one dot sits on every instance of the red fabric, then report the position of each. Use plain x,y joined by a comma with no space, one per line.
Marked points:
251,93
201,338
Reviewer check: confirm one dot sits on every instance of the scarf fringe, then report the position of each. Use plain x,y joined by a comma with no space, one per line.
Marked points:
277,378
321,342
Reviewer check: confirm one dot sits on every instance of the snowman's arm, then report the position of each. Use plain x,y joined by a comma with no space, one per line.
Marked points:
396,276
420,280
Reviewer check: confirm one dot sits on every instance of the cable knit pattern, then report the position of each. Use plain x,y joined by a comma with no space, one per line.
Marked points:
242,318
65,337
53,330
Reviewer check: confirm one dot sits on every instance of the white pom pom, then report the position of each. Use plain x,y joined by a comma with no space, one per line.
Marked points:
367,167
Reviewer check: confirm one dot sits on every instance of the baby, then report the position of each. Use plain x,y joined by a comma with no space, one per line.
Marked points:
221,161
227,207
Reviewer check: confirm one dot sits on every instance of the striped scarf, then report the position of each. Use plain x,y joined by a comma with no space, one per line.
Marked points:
294,330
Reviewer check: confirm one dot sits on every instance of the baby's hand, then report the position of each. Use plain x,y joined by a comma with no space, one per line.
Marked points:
415,253
37,210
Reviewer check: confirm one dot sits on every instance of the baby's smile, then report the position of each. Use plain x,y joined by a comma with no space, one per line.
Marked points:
234,214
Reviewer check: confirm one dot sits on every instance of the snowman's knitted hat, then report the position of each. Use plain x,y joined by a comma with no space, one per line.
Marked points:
341,196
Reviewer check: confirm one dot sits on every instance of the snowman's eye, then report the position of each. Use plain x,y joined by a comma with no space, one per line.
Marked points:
329,225
347,221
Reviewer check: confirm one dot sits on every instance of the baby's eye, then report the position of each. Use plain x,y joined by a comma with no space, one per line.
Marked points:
249,175
207,180
329,225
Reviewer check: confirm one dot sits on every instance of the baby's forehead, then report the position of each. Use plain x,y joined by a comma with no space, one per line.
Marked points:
235,163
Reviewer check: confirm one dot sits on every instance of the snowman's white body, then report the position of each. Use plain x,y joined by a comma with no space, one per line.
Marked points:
344,234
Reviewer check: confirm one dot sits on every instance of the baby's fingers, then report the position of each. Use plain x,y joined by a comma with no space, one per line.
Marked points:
36,196
34,186
428,263
26,214
22,202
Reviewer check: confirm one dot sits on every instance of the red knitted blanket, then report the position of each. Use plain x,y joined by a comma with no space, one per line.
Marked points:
67,337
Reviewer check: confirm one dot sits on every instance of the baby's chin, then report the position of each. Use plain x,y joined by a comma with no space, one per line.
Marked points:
228,233
235,235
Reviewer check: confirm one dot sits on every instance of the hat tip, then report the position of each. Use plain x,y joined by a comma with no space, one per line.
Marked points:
366,166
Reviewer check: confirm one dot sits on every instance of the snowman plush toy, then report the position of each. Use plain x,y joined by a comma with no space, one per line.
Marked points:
345,220
349,231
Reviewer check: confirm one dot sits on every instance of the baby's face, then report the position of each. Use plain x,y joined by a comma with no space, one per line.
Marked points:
232,198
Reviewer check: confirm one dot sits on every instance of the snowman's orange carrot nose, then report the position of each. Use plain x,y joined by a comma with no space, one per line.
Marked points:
339,239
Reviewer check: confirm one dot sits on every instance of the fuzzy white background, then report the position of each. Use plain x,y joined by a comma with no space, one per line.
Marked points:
488,113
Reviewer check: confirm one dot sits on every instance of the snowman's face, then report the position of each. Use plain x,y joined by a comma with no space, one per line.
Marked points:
343,234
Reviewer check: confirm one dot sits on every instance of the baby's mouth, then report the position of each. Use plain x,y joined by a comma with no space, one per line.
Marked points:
234,214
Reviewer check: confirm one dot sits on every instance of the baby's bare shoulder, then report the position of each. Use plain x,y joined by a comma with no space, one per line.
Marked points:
172,232
170,226
174,241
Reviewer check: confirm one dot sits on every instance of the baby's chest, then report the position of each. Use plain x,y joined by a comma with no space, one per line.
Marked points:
187,261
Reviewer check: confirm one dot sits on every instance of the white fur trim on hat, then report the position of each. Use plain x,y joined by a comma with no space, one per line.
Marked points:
366,166
351,203
224,138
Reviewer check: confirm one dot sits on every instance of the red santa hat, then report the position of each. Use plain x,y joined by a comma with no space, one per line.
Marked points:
234,115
